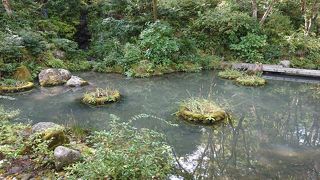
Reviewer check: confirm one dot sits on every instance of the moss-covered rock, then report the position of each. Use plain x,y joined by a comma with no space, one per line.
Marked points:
52,132
230,74
201,111
251,80
18,87
101,96
23,74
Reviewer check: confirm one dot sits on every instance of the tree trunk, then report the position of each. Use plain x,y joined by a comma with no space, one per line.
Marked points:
308,22
155,10
7,7
267,12
254,9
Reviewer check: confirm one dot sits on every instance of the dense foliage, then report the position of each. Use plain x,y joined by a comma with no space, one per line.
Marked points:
122,152
126,153
123,36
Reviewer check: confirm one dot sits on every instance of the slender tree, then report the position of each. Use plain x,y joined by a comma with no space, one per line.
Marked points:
155,9
310,15
254,9
267,12
7,7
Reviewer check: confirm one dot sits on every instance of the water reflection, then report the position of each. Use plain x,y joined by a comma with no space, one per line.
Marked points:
274,134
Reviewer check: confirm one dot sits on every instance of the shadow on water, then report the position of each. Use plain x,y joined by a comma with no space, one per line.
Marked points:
275,133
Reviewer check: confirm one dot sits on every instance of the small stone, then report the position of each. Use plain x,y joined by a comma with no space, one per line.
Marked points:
76,81
66,75
65,156
15,170
285,63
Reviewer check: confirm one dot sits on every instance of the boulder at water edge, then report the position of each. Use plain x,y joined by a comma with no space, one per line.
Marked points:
53,77
76,81
51,131
65,156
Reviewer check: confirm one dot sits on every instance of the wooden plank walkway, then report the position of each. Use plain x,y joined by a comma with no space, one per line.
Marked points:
278,69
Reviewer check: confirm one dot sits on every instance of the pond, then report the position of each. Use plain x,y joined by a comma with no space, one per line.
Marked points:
274,134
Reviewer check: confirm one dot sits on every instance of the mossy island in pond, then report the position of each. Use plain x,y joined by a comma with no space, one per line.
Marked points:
11,86
202,111
101,96
253,80
230,74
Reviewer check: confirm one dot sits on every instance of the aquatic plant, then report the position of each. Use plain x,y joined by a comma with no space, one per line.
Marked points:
230,74
12,85
101,96
315,91
251,80
201,110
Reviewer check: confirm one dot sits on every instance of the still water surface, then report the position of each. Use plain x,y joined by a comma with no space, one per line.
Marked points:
275,133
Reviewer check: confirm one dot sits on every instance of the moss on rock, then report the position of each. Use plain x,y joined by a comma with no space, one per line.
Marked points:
101,96
201,111
18,87
230,74
251,80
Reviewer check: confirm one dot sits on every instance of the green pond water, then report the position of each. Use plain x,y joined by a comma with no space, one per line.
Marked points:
275,133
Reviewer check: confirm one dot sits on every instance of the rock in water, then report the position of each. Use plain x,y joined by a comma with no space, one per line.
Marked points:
51,131
65,74
65,156
52,77
23,74
285,63
76,81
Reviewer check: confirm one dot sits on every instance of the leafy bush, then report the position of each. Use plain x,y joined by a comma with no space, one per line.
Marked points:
249,48
125,153
55,63
33,42
215,30
11,47
132,54
159,44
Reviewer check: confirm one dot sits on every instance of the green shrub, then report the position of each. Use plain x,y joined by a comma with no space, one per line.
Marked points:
125,153
33,42
132,54
78,66
159,44
55,63
11,47
216,29
249,48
